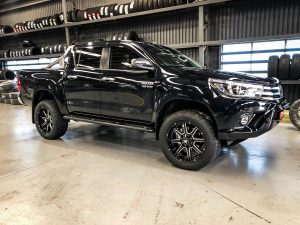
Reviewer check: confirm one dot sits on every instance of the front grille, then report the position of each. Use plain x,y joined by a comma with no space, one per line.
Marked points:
272,92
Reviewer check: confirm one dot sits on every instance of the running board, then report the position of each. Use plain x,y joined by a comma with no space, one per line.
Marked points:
109,123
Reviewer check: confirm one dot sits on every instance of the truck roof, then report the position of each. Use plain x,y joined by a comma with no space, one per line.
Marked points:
101,42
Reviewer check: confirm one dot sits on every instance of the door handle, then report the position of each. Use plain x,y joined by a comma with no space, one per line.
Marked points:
108,79
72,77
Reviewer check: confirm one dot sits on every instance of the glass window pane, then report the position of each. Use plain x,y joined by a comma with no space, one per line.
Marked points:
293,44
89,57
236,58
259,67
265,56
292,53
268,45
236,67
119,56
237,48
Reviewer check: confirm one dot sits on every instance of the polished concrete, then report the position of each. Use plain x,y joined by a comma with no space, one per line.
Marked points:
109,176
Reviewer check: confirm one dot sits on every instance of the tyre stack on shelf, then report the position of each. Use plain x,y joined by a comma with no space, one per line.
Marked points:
8,88
53,49
96,13
24,52
284,67
48,21
5,29
127,35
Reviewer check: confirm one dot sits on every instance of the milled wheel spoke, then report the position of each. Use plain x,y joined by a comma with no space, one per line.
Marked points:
50,126
44,112
196,149
175,141
177,132
179,150
188,153
194,131
185,130
199,140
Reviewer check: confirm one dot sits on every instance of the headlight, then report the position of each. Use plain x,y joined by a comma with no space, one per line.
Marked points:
237,89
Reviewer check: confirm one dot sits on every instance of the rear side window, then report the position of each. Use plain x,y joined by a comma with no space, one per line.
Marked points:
89,57
120,56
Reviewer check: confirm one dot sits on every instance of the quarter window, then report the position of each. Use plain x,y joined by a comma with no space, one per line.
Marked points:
89,57
120,57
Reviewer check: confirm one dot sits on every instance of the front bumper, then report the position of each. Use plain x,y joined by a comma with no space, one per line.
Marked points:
264,118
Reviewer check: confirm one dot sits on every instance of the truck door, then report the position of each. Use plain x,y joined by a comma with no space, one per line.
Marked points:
82,82
126,93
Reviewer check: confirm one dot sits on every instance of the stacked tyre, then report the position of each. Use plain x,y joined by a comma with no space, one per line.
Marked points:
53,49
5,29
8,88
7,75
127,35
24,52
10,98
4,53
38,23
284,67
144,5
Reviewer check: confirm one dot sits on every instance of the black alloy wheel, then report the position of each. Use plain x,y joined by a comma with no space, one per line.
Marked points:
45,120
49,121
186,141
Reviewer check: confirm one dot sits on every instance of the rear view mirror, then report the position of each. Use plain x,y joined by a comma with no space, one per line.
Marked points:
142,63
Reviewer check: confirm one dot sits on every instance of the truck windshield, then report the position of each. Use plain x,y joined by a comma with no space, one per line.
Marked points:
169,57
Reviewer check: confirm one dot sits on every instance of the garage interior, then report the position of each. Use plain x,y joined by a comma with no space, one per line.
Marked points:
97,174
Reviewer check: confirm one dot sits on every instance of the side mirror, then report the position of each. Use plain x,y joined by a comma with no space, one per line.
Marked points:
142,63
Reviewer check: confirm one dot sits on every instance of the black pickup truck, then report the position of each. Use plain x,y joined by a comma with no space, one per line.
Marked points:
152,88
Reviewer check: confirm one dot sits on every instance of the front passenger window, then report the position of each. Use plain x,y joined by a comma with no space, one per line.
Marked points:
120,57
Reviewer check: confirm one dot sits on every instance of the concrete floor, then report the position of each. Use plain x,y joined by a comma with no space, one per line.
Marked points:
109,176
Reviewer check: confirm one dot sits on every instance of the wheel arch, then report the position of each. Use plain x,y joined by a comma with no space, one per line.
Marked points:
176,105
39,96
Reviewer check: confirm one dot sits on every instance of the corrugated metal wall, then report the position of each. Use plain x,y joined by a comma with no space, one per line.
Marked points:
168,28
31,12
253,18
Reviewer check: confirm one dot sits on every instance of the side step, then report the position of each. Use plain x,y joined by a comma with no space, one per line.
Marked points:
110,123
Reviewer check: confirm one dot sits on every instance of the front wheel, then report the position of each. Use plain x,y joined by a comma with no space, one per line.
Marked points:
49,121
188,140
295,113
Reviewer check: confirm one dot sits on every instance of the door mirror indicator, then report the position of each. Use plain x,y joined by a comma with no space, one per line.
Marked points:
141,63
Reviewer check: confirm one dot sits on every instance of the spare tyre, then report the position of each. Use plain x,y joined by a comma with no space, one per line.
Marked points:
284,67
130,35
7,75
172,2
273,65
295,67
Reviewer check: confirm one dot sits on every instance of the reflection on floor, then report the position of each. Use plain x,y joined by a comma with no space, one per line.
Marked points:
102,175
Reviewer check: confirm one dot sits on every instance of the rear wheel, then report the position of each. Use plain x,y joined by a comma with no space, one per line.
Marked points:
188,140
295,113
49,121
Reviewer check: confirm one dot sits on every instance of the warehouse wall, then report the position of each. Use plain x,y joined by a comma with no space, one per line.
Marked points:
253,18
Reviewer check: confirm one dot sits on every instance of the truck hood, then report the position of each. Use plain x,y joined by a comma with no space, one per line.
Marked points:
199,73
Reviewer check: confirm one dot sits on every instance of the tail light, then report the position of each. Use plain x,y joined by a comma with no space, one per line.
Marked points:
281,115
19,84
